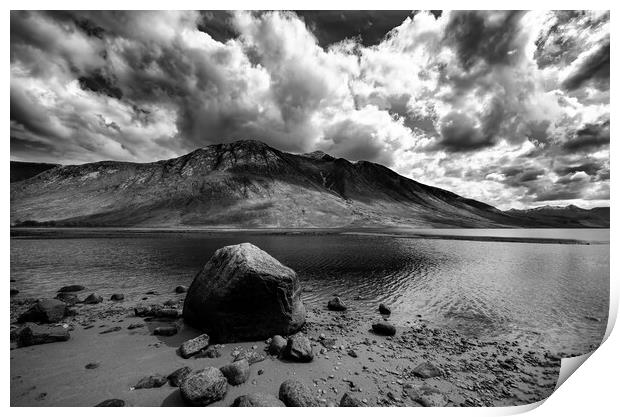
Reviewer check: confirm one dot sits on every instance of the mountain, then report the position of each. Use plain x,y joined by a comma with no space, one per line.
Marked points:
568,216
24,170
243,184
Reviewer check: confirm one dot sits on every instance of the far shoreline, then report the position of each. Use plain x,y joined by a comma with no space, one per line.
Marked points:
402,232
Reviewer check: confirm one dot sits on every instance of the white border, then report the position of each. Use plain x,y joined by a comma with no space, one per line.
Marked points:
593,388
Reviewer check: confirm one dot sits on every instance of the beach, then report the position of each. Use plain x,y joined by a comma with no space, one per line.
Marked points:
348,358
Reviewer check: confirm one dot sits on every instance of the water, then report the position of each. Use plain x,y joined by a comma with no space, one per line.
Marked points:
549,294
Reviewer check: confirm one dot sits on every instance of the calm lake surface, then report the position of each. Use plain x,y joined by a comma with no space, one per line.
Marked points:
554,295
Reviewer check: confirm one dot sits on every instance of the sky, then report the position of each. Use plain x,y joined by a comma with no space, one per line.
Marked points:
509,108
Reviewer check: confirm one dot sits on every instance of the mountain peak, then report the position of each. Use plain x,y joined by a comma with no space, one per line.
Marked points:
320,155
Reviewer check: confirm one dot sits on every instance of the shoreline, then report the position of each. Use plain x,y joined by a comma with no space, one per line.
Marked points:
395,232
474,372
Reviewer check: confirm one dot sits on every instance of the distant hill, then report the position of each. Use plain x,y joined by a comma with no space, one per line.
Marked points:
24,170
568,216
248,184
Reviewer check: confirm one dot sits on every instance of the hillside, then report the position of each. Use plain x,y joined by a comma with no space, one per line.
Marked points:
244,184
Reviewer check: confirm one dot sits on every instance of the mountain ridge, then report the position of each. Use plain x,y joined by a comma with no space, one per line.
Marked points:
248,184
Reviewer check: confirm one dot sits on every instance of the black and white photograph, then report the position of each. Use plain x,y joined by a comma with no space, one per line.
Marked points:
306,208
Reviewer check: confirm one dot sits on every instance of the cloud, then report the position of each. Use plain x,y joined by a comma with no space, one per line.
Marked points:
592,136
452,99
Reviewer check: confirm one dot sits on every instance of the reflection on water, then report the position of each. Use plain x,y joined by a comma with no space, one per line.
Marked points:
548,293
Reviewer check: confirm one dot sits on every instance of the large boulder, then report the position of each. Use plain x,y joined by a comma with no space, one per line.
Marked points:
294,393
201,388
257,399
243,293
33,334
46,310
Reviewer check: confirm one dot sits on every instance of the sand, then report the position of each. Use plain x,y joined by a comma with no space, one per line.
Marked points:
474,372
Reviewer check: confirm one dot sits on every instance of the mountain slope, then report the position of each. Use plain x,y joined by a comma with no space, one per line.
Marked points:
569,216
242,184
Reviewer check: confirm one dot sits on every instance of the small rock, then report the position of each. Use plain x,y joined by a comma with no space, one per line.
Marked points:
191,347
33,334
426,370
349,401
427,396
336,304
383,309
352,353
210,352
299,349
117,297
93,299
180,289
384,329
277,345
72,288
92,365
114,402
111,329
257,399
201,388
176,378
165,331
68,298
237,372
152,381
135,326
295,393
251,356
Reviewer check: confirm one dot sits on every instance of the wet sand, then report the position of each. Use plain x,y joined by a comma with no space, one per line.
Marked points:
475,372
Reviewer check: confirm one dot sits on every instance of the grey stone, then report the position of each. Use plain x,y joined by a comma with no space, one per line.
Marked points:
299,349
277,345
93,299
151,381
47,310
191,347
237,372
427,370
72,288
384,329
179,375
257,399
349,401
243,293
336,304
114,402
201,388
33,334
294,393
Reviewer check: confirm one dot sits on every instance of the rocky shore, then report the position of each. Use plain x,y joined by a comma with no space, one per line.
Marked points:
90,349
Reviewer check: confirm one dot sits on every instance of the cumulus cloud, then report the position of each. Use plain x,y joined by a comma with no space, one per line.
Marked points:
508,107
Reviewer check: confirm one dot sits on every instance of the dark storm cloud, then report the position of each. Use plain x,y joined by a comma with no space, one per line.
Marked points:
331,26
480,38
590,137
99,83
592,167
460,134
217,23
594,69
